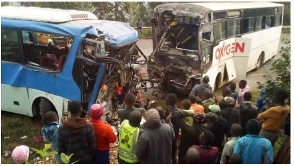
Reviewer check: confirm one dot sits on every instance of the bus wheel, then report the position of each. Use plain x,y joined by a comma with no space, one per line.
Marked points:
217,82
36,110
259,61
45,106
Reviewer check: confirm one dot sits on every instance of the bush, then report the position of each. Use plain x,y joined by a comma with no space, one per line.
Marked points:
282,68
146,33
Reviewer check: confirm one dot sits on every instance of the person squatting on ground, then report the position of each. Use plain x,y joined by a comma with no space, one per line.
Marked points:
128,138
104,135
155,142
76,136
253,148
275,116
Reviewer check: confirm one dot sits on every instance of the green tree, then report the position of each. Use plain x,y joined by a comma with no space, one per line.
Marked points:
282,68
287,12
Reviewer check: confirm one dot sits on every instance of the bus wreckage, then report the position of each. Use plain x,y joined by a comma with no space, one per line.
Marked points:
191,40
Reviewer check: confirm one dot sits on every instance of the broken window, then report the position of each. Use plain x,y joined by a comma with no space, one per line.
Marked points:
10,46
219,31
233,27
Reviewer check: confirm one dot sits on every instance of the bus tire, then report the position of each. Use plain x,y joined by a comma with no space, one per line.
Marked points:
259,61
36,110
45,106
217,82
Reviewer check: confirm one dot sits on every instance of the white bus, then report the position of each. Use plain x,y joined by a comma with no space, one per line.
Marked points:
223,40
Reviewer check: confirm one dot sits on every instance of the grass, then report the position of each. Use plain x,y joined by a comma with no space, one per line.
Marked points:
286,30
13,128
146,33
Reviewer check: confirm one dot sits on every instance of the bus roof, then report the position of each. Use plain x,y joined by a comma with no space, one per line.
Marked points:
215,6
116,33
45,14
198,9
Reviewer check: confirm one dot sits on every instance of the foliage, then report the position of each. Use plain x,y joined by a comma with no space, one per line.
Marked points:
281,67
146,33
65,158
286,30
45,152
287,13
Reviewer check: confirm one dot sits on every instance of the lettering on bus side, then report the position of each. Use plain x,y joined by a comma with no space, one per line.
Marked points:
229,49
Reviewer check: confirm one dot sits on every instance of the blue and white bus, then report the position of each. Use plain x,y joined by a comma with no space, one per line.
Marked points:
49,58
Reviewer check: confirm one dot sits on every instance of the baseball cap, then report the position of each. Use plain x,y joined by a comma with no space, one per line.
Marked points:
96,111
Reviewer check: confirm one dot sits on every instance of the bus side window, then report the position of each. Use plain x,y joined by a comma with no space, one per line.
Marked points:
219,31
264,22
206,35
248,25
258,23
10,46
277,20
271,21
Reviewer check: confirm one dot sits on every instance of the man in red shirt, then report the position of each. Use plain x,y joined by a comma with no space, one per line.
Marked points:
104,135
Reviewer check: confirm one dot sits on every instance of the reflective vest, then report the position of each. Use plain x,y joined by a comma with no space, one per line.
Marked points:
128,138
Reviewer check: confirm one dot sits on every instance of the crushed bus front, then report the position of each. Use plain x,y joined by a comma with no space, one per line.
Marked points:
176,60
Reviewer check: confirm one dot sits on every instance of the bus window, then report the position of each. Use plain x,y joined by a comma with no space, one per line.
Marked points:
230,28
265,22
271,21
258,23
248,25
44,51
277,20
238,26
219,31
233,27
10,46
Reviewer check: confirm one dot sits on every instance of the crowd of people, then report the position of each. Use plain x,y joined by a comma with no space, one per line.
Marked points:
199,130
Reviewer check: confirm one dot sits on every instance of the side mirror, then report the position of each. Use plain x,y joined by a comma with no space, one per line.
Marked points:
154,22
